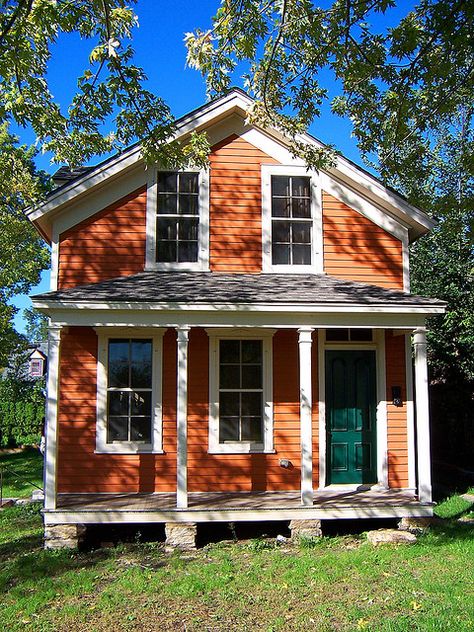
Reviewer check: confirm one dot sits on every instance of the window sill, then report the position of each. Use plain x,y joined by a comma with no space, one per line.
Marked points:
244,451
122,451
179,267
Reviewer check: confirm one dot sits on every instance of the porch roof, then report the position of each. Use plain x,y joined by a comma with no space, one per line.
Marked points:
231,289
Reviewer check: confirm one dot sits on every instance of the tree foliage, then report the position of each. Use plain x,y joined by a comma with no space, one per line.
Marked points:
23,255
111,91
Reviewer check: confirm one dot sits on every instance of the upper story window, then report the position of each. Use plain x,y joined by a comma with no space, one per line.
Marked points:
292,223
178,220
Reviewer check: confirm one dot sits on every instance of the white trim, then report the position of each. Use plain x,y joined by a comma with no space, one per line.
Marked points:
316,216
52,405
202,264
264,320
315,512
332,308
382,416
378,345
406,263
54,275
129,447
422,416
182,417
306,413
410,413
215,336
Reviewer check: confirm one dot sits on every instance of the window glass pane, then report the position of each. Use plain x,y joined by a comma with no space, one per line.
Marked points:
229,350
252,351
280,254
251,376
166,228
301,255
228,429
229,404
251,404
188,229
187,251
281,232
188,204
140,429
188,182
166,251
281,207
140,403
118,363
281,185
301,207
167,204
229,376
301,232
300,186
117,403
140,374
167,181
117,429
336,335
251,429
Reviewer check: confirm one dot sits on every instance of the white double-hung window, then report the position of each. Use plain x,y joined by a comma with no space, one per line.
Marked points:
178,220
129,392
292,222
241,406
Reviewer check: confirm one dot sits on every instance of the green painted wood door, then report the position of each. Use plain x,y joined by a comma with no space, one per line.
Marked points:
351,403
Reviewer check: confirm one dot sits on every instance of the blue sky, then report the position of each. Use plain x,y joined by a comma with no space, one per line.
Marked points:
160,50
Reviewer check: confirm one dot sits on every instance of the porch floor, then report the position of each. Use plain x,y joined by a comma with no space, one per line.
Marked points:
235,506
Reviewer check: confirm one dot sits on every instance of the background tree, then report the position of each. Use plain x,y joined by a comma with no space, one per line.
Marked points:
36,325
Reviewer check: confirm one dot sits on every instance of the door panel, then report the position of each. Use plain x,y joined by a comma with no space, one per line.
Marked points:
351,406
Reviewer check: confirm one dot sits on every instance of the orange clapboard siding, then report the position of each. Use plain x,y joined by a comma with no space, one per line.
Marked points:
236,206
109,244
79,469
357,249
397,443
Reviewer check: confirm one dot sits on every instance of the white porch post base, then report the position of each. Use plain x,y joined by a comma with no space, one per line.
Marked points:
181,418
306,407
422,417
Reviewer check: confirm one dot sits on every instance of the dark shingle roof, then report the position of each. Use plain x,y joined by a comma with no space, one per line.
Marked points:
220,288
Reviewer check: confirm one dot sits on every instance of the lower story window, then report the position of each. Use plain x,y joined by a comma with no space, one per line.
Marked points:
129,393
241,406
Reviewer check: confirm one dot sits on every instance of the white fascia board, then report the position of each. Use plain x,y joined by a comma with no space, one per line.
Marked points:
293,308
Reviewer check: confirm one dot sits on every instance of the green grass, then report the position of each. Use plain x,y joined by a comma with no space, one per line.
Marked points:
339,583
20,470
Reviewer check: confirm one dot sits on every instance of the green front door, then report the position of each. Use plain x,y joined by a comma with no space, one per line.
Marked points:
351,404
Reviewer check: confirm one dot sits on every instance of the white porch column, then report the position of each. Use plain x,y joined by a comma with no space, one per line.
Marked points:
304,345
52,398
422,416
181,418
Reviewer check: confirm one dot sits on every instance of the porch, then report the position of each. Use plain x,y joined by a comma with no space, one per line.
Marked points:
235,506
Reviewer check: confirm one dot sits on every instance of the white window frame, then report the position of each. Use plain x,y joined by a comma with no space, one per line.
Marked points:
316,215
241,447
130,447
202,264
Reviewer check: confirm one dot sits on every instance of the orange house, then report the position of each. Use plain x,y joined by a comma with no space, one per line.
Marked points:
232,343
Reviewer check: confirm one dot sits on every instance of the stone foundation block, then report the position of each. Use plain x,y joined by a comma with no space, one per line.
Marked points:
390,536
305,529
180,535
415,525
63,536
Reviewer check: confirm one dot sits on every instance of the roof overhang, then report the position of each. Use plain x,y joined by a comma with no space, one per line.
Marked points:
212,113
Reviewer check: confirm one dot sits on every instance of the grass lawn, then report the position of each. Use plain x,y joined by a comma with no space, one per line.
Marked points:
337,583
20,470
